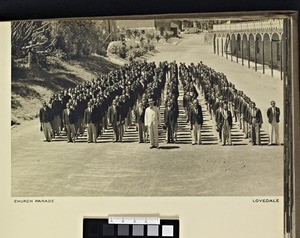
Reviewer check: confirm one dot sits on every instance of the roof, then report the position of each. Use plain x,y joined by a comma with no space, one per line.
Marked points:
136,24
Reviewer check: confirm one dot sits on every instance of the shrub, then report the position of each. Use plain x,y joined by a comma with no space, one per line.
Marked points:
167,35
121,51
149,36
148,47
142,40
130,55
114,49
151,47
157,37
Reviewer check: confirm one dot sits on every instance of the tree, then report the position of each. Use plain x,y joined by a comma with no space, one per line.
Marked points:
157,37
77,37
142,40
128,33
38,39
167,35
149,36
136,33
121,34
30,38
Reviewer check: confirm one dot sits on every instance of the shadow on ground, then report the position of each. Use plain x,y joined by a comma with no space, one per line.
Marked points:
95,64
169,147
30,86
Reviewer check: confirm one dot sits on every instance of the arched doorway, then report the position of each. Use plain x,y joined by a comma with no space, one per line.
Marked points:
214,43
267,56
244,47
276,52
251,48
259,51
227,45
238,47
223,41
233,48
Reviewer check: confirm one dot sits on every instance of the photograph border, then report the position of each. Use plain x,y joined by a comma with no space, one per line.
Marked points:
291,95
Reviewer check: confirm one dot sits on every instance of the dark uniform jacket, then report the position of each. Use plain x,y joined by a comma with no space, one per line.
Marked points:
247,114
81,106
271,115
113,114
71,118
170,116
57,107
244,109
195,117
45,114
65,100
140,114
90,116
255,116
123,109
220,119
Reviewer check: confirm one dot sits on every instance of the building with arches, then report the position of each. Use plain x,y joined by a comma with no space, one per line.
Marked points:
260,42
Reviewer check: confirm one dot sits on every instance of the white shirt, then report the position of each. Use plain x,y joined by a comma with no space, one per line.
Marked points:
140,110
225,114
152,116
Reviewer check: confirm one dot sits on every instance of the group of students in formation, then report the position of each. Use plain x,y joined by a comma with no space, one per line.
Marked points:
134,94
225,105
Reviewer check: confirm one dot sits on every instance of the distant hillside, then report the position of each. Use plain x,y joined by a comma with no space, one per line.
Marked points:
30,86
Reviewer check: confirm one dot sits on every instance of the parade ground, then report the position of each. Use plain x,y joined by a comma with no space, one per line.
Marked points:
181,169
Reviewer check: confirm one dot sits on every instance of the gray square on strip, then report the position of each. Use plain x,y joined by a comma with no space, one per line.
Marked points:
138,230
123,230
167,230
152,230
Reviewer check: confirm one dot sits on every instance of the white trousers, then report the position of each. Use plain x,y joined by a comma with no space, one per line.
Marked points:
274,132
153,134
47,130
196,134
226,133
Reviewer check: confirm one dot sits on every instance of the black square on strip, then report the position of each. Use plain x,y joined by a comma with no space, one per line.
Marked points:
108,230
91,228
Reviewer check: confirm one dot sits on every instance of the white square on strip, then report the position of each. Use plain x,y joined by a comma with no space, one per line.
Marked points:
167,230
152,230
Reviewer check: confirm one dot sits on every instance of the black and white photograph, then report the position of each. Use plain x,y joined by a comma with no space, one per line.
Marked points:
148,107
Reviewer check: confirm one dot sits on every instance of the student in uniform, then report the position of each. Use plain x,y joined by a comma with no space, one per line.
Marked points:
273,114
256,121
113,114
45,119
69,120
196,122
91,123
225,120
140,121
170,120
152,120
